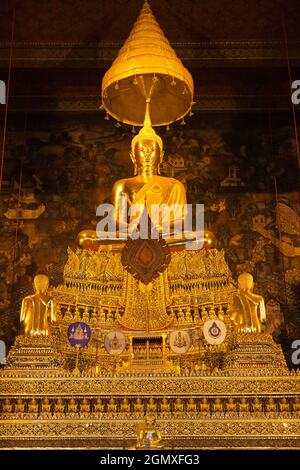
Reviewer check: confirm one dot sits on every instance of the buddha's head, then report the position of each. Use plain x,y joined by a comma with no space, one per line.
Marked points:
146,148
245,281
41,283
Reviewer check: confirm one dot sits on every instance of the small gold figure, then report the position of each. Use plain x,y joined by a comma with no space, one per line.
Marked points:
84,406
248,310
7,406
271,405
99,406
37,309
284,405
149,437
244,406
165,406
296,405
178,406
204,406
191,406
230,405
72,406
19,406
257,405
112,406
59,406
217,406
125,405
46,407
138,406
151,406
33,406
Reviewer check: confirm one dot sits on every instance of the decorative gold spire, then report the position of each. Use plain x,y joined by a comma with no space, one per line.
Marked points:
147,67
147,132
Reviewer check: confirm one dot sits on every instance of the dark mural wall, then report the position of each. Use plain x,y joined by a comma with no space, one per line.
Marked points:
59,167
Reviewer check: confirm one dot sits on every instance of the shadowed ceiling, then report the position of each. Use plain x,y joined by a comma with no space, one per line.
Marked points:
234,48
181,20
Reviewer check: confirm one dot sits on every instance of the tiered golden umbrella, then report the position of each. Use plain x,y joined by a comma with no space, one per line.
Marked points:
147,68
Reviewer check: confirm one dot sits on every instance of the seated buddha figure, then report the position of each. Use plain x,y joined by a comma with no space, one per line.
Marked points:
230,406
244,405
46,407
191,406
149,437
37,309
33,406
271,405
125,405
146,189
84,406
19,406
7,406
165,405
218,406
72,406
284,406
257,405
138,407
59,407
296,406
247,310
178,406
111,406
151,406
99,406
204,406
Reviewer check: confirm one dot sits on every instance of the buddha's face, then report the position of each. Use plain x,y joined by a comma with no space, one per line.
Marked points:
147,155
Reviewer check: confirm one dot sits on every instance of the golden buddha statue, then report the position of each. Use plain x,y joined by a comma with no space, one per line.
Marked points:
284,405
247,310
217,406
165,405
59,407
112,406
84,406
146,189
244,406
271,405
46,407
204,406
178,406
37,309
19,406
257,405
151,406
125,405
72,406
33,406
296,405
7,406
99,406
191,406
149,437
230,406
138,407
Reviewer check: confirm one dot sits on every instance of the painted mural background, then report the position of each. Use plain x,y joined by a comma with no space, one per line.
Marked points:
61,166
